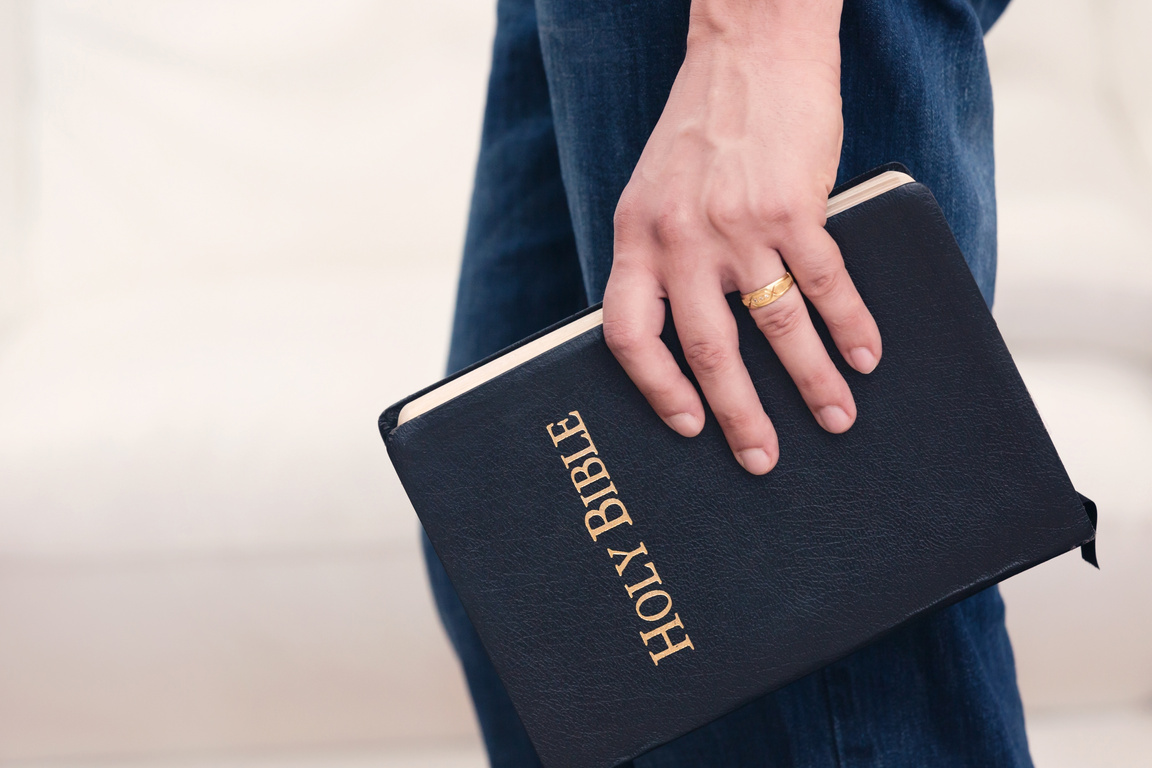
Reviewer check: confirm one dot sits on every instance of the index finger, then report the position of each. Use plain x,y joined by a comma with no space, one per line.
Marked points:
633,319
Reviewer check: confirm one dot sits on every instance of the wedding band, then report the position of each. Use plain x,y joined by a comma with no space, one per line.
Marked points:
768,293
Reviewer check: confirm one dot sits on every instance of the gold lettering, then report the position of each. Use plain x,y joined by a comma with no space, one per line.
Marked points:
640,550
602,513
568,431
653,579
671,647
591,448
589,476
588,499
592,470
648,595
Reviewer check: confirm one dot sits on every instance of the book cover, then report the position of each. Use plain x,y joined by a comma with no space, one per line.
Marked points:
631,585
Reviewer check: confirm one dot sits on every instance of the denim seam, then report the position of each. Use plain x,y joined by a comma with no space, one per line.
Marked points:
837,747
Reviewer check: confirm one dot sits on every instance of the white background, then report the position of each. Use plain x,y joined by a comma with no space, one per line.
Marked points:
228,238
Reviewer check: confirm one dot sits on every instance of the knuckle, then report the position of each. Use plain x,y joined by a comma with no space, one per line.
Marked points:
817,380
737,422
621,335
707,356
778,212
853,321
822,280
780,319
725,212
624,219
663,394
674,224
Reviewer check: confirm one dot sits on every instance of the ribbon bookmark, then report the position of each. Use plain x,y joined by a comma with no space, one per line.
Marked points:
1088,548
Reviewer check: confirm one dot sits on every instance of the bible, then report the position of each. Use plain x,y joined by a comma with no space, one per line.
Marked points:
631,585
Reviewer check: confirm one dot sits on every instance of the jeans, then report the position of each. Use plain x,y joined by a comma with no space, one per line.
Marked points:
576,87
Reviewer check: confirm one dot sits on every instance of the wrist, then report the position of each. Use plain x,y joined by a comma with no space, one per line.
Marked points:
791,29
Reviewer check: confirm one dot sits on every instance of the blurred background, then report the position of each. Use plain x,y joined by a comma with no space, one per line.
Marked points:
227,230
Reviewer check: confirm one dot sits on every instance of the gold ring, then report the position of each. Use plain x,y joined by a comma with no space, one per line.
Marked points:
768,293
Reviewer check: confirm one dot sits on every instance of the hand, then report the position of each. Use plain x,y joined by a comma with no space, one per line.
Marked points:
733,183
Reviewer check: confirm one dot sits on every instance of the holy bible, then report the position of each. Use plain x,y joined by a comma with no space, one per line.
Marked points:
631,585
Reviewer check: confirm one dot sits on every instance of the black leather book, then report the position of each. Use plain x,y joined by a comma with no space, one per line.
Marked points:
631,585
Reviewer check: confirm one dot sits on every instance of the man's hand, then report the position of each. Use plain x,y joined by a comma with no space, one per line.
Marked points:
733,182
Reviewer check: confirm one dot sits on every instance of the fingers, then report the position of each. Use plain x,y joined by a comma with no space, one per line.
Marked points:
815,261
707,333
787,326
633,319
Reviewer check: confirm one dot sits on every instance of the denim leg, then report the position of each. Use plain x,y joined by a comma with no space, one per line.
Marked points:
520,272
915,87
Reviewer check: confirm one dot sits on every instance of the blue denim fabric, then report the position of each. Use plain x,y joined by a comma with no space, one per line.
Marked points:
575,89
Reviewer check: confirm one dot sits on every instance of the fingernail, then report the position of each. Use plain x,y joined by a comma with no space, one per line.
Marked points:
686,424
834,419
862,359
755,460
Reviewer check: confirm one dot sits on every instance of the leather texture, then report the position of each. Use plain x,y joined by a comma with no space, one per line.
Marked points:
947,483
